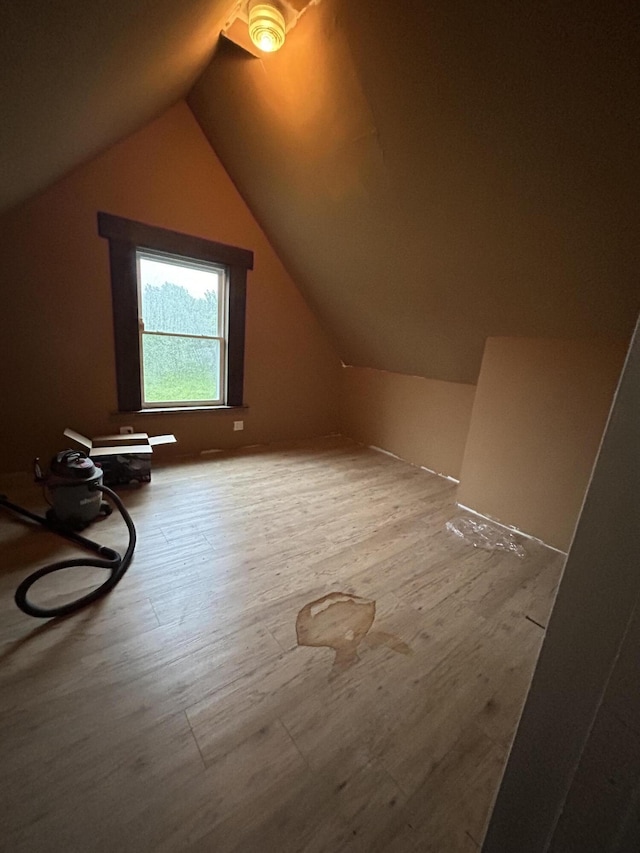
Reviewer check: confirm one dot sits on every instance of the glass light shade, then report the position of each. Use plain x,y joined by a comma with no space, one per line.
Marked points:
266,27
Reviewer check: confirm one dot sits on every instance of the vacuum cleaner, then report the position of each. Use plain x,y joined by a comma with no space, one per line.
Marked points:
74,487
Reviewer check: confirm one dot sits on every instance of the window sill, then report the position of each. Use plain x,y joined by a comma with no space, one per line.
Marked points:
168,410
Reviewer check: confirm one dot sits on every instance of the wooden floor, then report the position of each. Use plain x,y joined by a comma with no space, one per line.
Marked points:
220,699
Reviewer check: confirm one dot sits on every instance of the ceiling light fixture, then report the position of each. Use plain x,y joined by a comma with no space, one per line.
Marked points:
266,26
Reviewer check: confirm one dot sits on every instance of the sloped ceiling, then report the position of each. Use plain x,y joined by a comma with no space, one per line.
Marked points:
433,173
78,75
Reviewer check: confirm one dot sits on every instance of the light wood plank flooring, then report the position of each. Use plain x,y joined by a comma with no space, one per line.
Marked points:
198,708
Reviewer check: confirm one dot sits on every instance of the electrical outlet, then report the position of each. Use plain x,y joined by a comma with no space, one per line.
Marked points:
238,425
126,430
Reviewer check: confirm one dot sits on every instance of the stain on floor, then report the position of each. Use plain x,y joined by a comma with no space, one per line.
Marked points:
341,621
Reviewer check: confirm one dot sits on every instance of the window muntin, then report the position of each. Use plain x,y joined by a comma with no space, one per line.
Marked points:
182,330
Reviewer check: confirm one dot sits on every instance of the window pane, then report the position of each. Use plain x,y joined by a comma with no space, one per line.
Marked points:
180,369
179,298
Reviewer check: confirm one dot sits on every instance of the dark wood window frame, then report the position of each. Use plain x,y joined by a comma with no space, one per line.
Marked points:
125,237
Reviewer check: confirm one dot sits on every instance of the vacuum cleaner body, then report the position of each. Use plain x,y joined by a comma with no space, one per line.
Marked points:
75,489
71,483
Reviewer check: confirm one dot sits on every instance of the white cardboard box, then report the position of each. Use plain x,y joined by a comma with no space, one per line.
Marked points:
122,457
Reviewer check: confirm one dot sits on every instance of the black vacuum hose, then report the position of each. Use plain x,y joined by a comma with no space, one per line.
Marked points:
109,559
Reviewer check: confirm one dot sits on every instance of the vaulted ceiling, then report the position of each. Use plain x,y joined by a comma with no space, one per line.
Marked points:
430,172
434,173
78,75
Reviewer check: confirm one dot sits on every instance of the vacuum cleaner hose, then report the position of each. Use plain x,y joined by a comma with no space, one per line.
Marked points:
108,559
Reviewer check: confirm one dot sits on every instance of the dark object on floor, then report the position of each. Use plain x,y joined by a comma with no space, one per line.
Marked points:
75,488
120,470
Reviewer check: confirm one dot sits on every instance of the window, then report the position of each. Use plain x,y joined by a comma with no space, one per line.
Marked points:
178,315
182,324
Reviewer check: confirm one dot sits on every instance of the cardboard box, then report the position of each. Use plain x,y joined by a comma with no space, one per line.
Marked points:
123,458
